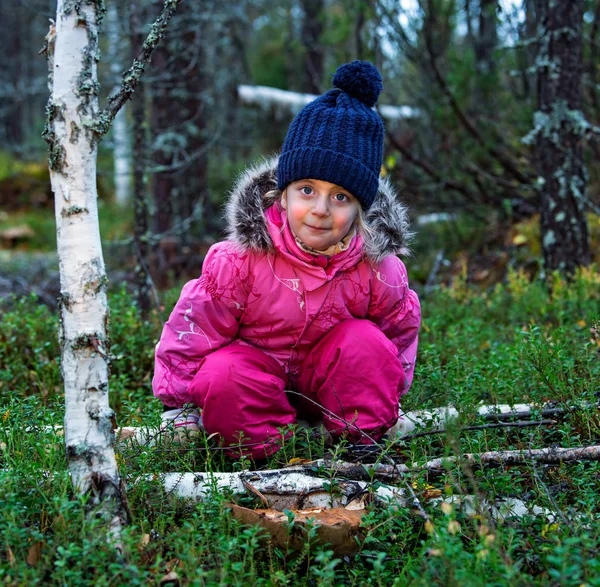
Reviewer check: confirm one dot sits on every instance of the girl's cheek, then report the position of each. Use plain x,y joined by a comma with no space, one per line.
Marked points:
294,213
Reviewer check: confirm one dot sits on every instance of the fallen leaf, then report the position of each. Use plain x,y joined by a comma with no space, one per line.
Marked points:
358,503
432,493
125,433
34,554
171,577
299,461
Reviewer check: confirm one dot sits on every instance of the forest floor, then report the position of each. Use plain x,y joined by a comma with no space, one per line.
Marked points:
511,343
492,333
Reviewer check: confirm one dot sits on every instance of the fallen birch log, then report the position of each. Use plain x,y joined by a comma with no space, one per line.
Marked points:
410,421
292,488
297,489
264,96
406,425
548,456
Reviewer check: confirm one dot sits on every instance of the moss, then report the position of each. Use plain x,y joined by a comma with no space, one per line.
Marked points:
76,5
87,341
56,153
66,301
75,131
73,210
94,277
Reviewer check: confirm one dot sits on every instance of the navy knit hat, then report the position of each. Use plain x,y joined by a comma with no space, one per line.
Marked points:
338,137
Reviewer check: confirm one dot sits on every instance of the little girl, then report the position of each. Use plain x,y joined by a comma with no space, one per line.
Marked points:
305,311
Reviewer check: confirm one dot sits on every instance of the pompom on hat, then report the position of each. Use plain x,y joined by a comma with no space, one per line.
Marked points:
338,137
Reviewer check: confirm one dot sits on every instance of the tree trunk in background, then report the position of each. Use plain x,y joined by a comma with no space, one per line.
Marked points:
140,193
179,126
120,132
559,129
529,30
312,27
162,185
84,311
11,100
193,114
487,37
485,42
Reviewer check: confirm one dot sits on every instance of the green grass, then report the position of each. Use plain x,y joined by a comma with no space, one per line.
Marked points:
514,343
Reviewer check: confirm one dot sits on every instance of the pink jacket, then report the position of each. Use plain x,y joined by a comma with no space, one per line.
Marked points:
259,287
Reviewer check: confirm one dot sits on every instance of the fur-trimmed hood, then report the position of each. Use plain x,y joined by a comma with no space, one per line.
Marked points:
246,225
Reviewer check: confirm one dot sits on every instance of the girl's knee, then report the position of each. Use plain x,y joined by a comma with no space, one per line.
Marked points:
361,337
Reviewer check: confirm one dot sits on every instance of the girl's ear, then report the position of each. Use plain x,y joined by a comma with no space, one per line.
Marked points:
284,199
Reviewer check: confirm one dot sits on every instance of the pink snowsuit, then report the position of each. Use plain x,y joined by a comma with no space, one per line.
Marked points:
339,333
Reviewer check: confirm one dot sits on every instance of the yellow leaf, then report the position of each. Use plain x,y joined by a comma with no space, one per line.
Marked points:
548,529
581,323
299,461
519,239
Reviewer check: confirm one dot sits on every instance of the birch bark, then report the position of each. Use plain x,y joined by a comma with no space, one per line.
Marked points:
72,107
120,132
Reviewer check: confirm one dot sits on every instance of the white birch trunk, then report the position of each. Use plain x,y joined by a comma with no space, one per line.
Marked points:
120,132
84,312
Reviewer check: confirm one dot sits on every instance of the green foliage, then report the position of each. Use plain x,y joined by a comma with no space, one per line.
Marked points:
517,342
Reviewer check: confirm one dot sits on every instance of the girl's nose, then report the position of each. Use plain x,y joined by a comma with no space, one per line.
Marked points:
320,208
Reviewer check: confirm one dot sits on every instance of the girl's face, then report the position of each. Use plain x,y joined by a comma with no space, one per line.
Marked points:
320,213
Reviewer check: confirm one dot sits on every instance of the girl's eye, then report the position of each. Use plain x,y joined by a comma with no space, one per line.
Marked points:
306,190
340,197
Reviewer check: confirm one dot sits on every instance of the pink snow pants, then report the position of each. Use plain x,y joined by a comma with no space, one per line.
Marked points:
353,372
